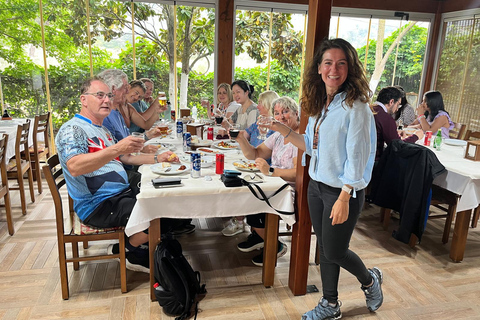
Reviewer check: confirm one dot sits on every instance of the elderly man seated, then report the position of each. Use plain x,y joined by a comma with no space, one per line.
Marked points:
92,162
388,102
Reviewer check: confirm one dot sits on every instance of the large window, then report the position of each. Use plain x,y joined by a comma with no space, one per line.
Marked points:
399,60
458,77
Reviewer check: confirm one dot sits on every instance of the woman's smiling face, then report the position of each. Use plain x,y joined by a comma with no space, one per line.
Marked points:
333,69
239,95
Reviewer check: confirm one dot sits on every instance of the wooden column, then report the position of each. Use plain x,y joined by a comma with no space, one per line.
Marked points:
319,12
430,66
225,41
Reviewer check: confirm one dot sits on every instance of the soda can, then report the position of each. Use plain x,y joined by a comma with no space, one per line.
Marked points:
172,114
210,133
196,164
428,138
179,128
187,141
219,163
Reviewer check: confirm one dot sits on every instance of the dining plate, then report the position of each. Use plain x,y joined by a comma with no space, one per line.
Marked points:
225,145
409,131
170,169
456,142
207,161
248,166
205,150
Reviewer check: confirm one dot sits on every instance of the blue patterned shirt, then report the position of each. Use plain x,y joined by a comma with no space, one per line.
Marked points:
80,136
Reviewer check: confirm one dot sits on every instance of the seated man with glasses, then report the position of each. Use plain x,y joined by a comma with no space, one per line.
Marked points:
92,162
388,102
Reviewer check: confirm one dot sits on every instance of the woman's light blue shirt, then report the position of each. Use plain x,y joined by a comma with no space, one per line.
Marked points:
346,147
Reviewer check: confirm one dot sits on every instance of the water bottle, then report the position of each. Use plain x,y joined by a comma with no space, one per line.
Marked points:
437,142
194,113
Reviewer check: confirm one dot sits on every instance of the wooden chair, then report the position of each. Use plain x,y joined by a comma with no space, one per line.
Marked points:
20,164
457,131
54,175
446,201
472,134
40,149
4,185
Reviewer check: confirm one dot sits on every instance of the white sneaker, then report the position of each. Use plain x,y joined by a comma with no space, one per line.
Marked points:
233,227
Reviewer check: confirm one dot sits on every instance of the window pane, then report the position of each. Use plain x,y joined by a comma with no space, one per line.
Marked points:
457,81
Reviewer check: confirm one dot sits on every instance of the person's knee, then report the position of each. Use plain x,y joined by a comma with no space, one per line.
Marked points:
334,254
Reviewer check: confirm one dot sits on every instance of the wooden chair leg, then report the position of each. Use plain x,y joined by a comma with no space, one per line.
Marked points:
8,213
30,184
476,214
76,265
386,217
123,264
413,241
37,174
21,188
63,270
448,222
85,244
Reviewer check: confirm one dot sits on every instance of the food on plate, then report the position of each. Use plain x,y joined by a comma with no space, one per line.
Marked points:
172,157
181,168
195,139
245,165
166,165
163,130
207,150
227,145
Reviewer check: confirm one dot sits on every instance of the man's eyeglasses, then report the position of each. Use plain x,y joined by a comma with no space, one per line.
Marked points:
100,95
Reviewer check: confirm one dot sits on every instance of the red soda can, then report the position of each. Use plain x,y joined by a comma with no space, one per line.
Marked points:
172,115
210,133
220,163
428,138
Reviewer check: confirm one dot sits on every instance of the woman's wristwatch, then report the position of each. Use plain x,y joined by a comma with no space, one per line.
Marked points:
347,189
270,171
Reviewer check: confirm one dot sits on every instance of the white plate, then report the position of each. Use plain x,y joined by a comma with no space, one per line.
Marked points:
245,166
456,142
207,161
162,168
205,151
409,131
225,145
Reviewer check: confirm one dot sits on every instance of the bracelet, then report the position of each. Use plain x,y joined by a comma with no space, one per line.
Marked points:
155,158
288,133
420,117
343,200
145,137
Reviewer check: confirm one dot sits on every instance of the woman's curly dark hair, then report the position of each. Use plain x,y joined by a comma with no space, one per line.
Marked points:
314,92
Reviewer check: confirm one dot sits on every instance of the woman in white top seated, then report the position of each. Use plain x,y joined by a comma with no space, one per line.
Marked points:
226,105
247,114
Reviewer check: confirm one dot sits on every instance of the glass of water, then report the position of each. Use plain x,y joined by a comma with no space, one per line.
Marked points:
137,135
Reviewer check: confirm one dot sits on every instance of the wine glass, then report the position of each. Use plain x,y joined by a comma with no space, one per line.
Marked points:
218,117
263,122
234,130
137,135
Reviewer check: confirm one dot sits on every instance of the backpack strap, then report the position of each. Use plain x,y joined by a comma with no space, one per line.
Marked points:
263,197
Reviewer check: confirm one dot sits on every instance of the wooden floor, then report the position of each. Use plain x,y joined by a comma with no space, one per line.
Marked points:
420,283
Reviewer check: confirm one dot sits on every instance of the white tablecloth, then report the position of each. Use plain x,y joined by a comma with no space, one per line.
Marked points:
462,176
199,198
10,127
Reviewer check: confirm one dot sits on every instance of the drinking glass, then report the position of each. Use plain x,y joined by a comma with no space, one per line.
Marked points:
137,135
263,122
234,131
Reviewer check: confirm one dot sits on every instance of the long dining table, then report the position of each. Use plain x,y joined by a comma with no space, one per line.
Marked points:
207,197
462,178
9,127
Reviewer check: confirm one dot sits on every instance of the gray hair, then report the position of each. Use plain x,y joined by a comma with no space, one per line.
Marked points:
285,102
113,78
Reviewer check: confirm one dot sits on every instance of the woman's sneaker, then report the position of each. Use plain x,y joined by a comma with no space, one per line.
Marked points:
324,311
253,242
233,228
282,250
137,260
374,294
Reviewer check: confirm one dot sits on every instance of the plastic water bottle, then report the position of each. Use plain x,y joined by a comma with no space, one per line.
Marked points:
437,142
194,113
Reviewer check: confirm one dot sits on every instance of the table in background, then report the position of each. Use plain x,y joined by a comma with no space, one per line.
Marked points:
199,198
463,178
9,127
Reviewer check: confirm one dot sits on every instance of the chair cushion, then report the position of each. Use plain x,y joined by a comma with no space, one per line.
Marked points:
40,148
80,229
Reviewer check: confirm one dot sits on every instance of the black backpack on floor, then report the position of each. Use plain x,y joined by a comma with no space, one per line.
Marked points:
177,286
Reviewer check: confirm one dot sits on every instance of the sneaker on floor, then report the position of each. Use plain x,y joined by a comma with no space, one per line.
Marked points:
184,229
114,249
137,262
324,311
253,242
233,228
282,250
373,294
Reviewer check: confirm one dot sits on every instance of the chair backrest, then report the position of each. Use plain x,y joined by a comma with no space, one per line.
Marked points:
472,134
3,166
22,140
53,173
40,125
457,131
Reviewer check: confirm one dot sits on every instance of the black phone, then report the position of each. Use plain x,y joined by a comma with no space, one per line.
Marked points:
162,182
231,172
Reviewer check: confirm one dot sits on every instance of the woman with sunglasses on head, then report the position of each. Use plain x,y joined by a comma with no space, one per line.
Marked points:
247,114
340,138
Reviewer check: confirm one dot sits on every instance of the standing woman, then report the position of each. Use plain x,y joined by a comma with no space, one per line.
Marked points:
226,105
432,115
247,114
340,138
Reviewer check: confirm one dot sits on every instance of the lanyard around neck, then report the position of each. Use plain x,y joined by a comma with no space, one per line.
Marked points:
318,123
